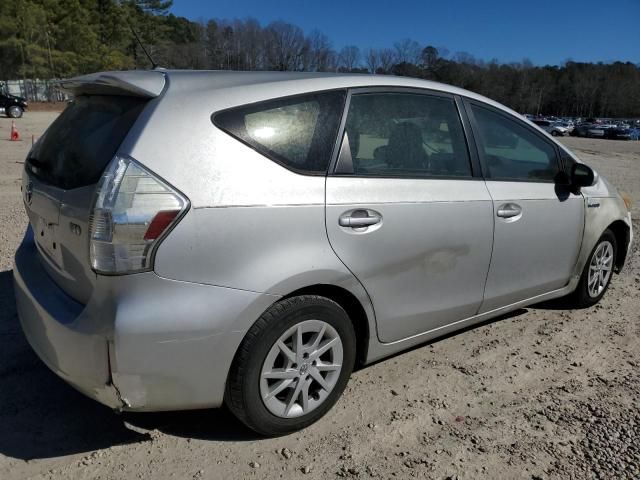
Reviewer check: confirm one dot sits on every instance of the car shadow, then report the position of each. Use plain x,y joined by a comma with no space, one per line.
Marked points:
475,326
215,424
42,417
562,303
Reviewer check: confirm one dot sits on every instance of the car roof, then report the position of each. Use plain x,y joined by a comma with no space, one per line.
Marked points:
311,81
266,84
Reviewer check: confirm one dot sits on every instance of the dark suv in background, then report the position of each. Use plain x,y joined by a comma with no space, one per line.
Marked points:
11,105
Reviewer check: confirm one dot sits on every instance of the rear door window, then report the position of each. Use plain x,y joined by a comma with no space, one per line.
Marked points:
78,145
405,135
297,132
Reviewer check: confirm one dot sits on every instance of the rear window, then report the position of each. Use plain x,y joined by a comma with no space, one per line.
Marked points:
78,145
297,132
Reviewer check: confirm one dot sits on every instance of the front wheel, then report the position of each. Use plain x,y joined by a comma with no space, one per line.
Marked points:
292,366
597,272
14,111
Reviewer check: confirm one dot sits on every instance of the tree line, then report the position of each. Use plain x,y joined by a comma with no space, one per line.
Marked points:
63,38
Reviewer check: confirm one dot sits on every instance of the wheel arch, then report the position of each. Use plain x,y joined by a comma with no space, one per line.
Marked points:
354,308
622,232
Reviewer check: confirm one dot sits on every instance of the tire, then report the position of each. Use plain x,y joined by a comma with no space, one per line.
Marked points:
14,111
584,296
251,386
554,133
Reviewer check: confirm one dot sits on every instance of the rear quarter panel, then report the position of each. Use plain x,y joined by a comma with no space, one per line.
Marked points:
253,224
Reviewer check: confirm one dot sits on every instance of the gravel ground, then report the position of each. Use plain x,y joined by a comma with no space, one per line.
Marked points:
542,393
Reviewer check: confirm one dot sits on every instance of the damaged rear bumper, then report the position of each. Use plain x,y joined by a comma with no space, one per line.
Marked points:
142,342
58,330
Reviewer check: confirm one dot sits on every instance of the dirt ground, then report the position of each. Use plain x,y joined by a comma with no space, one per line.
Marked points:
46,106
543,393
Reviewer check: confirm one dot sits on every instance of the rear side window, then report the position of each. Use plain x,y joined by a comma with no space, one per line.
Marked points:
78,145
297,132
511,151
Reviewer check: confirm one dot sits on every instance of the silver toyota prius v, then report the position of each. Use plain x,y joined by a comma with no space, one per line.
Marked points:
200,238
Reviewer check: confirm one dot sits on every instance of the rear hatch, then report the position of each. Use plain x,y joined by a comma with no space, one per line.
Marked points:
60,178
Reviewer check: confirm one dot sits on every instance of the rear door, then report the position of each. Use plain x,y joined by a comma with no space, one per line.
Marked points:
59,181
538,222
405,213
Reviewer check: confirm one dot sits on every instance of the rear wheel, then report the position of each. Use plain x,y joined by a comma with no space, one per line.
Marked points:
14,111
597,272
292,366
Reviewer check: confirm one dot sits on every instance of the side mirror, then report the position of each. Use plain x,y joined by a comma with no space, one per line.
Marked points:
582,175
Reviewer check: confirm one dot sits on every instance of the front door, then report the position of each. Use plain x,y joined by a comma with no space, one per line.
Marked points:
538,224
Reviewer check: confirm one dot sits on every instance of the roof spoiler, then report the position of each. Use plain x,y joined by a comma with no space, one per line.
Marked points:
136,83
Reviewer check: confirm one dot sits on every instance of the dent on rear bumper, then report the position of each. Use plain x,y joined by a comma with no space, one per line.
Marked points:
142,342
60,330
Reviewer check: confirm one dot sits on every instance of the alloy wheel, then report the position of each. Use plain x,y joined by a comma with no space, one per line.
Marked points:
600,269
301,369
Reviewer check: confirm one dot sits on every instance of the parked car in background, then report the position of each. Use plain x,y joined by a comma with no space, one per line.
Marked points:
303,224
11,105
617,132
568,125
554,128
591,130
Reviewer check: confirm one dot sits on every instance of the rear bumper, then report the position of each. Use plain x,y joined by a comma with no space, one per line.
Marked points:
54,325
142,342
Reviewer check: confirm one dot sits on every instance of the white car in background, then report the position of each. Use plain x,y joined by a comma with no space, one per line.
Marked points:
554,128
568,125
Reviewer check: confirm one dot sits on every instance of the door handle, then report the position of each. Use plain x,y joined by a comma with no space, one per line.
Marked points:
359,219
509,210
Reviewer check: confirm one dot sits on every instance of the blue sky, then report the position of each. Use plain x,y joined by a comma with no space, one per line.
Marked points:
546,32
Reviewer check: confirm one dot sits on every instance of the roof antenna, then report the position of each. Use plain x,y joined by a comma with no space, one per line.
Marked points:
154,65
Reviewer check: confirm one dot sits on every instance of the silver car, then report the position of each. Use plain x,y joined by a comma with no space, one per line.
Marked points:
554,128
200,238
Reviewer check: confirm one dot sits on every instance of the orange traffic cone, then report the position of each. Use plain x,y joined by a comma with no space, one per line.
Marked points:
15,135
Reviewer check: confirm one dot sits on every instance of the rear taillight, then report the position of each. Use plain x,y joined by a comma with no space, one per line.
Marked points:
132,211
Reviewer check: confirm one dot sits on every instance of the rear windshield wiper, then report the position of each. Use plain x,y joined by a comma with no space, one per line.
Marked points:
37,167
